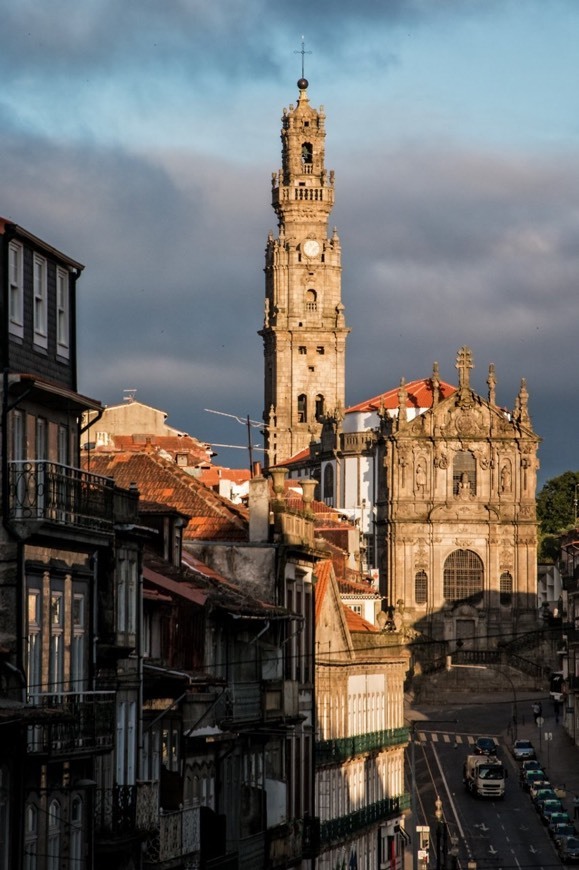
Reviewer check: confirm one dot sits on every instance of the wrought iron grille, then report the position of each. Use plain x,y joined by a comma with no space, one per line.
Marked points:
49,491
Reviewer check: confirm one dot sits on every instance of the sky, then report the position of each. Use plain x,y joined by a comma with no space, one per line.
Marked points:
139,137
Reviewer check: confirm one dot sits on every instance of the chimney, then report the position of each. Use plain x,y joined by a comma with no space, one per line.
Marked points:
258,510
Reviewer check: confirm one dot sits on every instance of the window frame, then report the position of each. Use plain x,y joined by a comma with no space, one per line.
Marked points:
16,288
40,300
62,312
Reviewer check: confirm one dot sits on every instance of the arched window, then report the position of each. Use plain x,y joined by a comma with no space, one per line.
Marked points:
506,588
463,575
302,408
53,840
319,407
307,152
311,300
420,587
30,837
76,844
329,484
463,472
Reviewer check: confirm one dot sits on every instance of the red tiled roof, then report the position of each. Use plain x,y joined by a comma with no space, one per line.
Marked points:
356,623
211,476
212,516
419,396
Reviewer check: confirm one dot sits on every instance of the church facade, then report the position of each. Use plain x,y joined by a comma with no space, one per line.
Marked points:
440,480
304,331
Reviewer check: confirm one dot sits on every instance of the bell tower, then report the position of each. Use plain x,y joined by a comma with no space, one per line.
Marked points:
304,330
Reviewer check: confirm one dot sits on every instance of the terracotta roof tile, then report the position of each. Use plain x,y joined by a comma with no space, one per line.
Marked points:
356,623
419,396
159,480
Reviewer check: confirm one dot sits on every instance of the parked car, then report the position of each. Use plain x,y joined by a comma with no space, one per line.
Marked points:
543,794
549,806
532,764
523,750
562,829
486,746
558,819
568,850
544,787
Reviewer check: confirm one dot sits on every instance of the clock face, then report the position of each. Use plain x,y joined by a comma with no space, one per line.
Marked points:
311,248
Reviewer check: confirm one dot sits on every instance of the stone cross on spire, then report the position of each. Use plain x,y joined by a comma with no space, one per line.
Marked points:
464,363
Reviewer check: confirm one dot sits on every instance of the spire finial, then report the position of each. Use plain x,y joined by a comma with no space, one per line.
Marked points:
303,82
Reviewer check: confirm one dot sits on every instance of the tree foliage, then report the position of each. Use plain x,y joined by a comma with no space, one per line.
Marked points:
557,504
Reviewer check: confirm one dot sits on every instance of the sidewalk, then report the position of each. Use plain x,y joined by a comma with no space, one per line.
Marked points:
556,751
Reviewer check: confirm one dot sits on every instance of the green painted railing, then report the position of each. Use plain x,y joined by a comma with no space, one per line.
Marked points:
328,751
337,829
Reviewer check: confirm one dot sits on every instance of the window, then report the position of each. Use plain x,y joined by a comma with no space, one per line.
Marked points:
463,575
126,742
16,289
40,301
319,407
302,408
56,661
79,646
63,445
53,840
464,473
320,349
420,587
34,640
126,592
62,312
329,484
506,588
311,300
307,153
170,746
76,845
302,350
30,837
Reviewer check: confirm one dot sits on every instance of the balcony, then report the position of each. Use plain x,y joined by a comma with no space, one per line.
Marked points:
178,835
72,722
334,751
346,826
126,810
47,492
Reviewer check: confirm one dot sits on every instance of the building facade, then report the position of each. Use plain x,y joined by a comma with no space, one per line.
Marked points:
304,330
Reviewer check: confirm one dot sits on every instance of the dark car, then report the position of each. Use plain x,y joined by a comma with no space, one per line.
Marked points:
558,819
533,778
485,746
547,807
523,750
568,850
543,794
532,764
562,829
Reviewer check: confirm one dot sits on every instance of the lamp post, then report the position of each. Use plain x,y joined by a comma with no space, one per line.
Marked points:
450,666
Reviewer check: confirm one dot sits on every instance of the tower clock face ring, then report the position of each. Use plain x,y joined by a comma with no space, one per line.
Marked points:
311,248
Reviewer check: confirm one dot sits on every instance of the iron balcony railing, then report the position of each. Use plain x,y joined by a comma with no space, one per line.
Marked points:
125,809
342,748
72,722
43,491
344,826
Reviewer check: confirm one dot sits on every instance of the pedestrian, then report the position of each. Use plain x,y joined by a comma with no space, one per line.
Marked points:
556,710
576,807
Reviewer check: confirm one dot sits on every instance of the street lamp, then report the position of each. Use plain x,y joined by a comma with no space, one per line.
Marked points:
450,666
